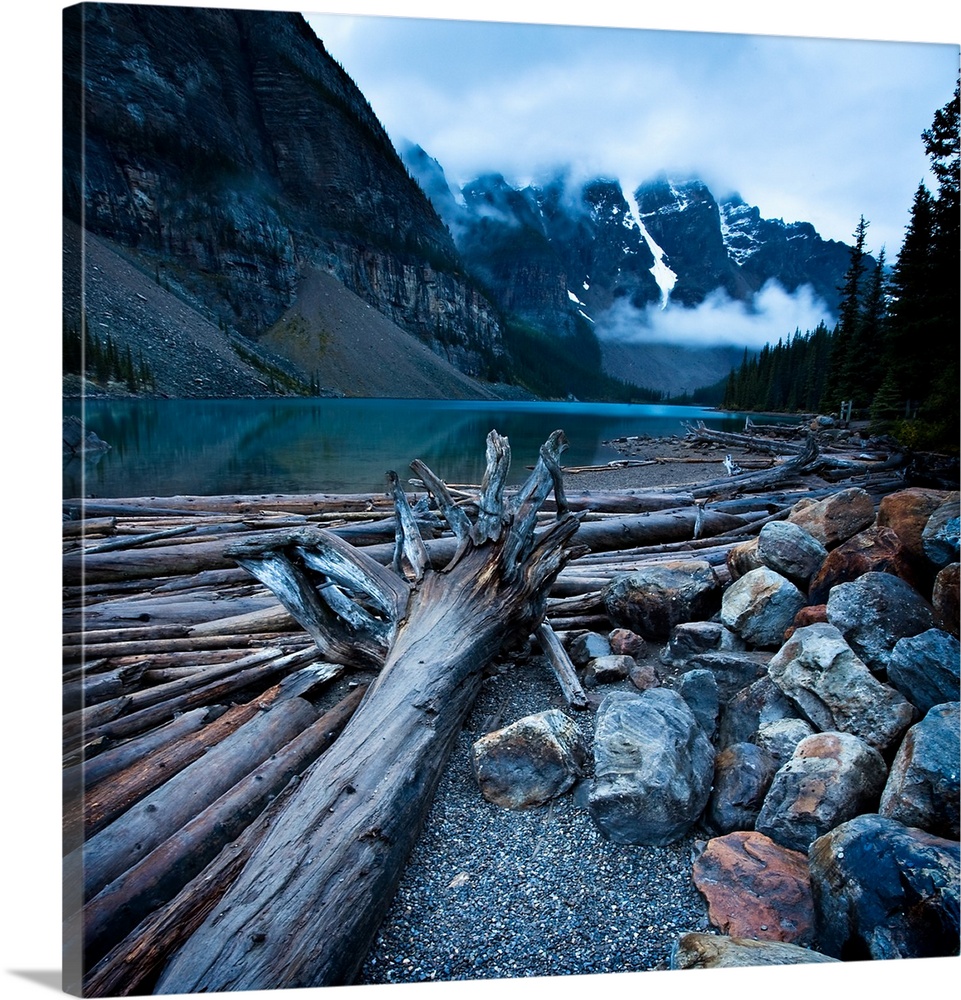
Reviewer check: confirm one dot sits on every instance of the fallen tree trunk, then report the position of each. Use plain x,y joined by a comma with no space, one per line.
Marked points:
308,903
167,868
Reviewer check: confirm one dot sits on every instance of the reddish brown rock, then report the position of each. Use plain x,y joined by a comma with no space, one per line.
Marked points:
807,616
836,518
624,642
742,559
643,676
756,889
874,550
907,513
945,598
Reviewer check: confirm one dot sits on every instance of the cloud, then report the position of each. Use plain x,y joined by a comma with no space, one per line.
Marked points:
719,320
814,130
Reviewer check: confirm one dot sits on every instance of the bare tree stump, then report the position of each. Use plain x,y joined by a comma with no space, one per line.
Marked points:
308,903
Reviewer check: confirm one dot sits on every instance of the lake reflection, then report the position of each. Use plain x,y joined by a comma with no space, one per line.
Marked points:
188,446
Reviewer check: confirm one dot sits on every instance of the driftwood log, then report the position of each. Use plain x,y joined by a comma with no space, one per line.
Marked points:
308,903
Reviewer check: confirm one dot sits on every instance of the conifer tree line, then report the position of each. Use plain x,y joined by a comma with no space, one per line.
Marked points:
893,353
103,360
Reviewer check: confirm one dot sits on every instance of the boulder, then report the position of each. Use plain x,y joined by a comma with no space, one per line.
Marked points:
624,642
907,513
831,687
608,670
941,534
874,550
588,646
923,788
742,716
698,688
884,890
756,888
530,761
791,551
732,671
830,778
926,668
742,558
760,606
742,776
691,638
712,951
945,598
653,768
836,518
874,612
655,598
781,737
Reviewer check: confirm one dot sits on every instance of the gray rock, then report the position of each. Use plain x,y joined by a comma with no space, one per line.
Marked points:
760,606
926,668
831,778
883,890
874,612
923,786
750,709
530,761
832,688
698,688
781,737
791,551
652,600
743,774
941,534
715,951
732,671
587,647
653,767
608,670
692,638
836,518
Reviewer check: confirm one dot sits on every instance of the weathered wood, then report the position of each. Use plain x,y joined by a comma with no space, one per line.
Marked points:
105,801
157,815
99,687
182,855
131,966
207,693
358,812
561,665
113,759
89,526
133,541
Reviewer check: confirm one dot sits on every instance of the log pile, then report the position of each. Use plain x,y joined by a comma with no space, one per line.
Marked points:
205,679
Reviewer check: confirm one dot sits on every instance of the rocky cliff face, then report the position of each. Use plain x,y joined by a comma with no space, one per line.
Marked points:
532,247
226,151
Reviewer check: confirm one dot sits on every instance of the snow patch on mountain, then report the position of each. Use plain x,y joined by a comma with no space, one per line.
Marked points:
666,279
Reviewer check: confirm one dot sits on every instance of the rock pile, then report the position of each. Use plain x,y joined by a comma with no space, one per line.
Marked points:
803,717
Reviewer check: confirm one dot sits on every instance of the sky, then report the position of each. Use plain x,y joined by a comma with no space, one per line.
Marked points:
819,130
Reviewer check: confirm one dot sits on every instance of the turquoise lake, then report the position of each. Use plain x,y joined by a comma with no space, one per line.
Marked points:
169,447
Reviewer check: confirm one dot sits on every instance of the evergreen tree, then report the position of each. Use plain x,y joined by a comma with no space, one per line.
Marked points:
846,378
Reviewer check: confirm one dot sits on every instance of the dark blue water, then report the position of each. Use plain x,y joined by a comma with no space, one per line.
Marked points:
186,446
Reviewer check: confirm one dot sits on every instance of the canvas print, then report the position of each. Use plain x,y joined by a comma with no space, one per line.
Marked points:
510,500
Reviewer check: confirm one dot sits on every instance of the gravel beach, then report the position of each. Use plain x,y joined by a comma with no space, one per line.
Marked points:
492,893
